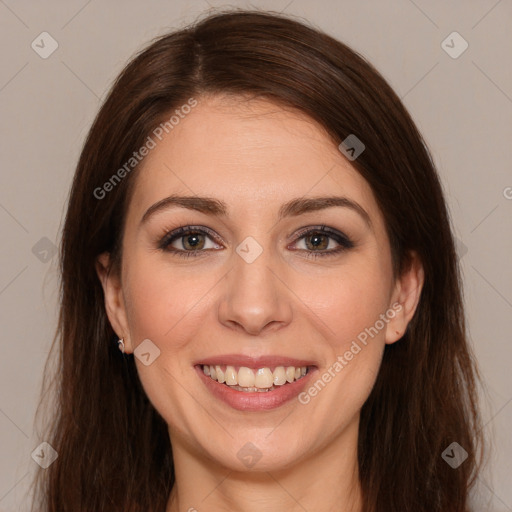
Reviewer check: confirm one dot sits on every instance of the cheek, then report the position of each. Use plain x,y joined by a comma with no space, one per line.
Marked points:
357,314
351,303
160,306
353,351
167,309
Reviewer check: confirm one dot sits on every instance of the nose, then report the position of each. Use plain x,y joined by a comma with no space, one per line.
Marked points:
255,297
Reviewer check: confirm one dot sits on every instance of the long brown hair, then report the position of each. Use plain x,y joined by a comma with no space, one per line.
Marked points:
114,452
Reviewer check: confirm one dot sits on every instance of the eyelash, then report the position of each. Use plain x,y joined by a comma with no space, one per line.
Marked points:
343,241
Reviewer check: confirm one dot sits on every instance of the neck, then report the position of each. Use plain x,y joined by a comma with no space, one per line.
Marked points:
326,480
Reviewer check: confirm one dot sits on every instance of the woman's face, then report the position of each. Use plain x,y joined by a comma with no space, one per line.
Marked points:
251,285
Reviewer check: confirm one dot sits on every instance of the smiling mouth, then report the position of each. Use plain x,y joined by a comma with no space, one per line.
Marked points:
255,380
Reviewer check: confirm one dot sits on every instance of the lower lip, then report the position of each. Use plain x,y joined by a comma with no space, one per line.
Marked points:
257,400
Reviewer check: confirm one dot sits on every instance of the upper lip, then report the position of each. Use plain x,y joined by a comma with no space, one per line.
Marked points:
254,362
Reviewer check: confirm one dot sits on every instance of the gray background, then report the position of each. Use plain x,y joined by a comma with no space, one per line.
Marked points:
463,106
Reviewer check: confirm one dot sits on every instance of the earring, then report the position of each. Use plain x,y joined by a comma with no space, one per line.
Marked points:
120,344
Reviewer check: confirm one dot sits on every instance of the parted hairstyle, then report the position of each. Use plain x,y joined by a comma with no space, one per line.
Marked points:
114,451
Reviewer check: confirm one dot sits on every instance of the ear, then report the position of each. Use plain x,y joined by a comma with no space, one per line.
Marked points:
114,299
405,298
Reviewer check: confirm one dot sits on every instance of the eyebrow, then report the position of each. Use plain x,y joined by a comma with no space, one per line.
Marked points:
293,208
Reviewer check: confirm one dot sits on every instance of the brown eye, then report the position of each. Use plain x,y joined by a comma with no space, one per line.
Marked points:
317,241
322,241
192,241
188,241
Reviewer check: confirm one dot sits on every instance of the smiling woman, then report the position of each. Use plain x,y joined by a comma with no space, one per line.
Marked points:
280,275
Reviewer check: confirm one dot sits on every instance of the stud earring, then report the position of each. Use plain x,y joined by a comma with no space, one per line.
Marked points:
120,344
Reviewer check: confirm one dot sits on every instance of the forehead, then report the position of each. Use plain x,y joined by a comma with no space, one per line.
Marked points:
252,154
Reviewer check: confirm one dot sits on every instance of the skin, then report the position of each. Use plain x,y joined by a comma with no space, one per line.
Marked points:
255,156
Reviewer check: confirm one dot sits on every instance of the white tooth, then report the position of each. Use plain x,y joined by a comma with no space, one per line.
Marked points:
290,373
279,376
220,374
303,370
263,378
213,373
297,373
245,377
206,369
231,376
